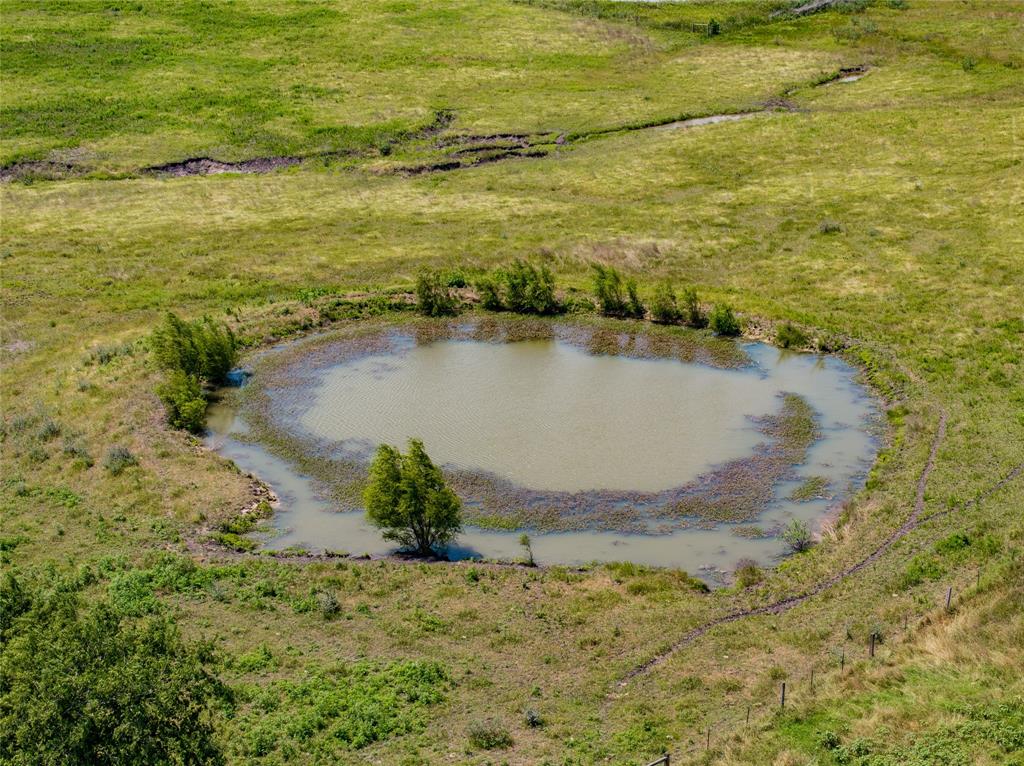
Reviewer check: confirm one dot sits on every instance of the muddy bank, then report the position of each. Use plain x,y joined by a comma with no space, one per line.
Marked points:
205,166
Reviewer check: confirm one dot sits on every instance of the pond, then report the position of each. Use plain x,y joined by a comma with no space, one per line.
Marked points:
661,447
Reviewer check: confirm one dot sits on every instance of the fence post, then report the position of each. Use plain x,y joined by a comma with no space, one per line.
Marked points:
709,739
748,715
842,660
871,649
812,679
949,596
782,701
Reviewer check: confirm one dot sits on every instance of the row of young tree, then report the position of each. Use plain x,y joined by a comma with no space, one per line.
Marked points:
525,288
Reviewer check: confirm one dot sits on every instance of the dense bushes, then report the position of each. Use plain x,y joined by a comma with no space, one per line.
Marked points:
183,397
665,308
617,297
434,296
192,354
201,349
520,287
85,684
723,321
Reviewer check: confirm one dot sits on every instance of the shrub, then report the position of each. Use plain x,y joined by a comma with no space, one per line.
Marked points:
664,308
183,397
202,349
487,735
829,226
433,295
524,541
634,307
748,573
714,28
119,458
490,294
327,604
533,719
723,321
797,535
407,497
608,288
528,289
693,314
788,336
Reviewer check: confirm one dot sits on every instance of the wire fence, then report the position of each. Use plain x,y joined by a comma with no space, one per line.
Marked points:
795,686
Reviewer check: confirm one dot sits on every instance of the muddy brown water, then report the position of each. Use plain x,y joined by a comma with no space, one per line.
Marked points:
548,415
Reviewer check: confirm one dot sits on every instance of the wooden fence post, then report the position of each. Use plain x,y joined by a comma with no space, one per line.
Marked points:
949,596
782,700
871,648
842,660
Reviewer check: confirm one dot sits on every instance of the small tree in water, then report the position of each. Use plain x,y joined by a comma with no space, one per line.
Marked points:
407,497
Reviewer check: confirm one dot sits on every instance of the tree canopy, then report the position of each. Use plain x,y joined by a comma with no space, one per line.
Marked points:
407,498
84,684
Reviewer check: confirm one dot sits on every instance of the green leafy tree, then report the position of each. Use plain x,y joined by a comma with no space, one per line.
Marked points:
407,498
86,685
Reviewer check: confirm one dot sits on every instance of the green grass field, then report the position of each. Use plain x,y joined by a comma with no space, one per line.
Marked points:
888,211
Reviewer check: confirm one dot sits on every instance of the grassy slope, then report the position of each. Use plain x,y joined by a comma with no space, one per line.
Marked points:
925,270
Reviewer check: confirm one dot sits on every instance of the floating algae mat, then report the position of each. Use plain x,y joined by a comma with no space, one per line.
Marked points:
604,441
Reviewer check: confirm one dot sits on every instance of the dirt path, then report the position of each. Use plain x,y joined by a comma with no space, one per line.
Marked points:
784,605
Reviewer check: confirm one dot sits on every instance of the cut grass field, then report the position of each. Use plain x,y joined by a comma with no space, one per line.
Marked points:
888,211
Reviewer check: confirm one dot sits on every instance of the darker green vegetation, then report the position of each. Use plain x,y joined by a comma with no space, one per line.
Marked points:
86,684
434,295
724,322
788,336
520,287
407,497
194,354
616,296
337,709
667,309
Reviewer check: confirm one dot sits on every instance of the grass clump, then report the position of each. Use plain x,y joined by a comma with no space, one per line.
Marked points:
813,487
797,535
118,459
788,336
488,735
748,573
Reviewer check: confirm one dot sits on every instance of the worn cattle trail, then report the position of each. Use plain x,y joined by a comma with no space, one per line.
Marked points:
784,605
